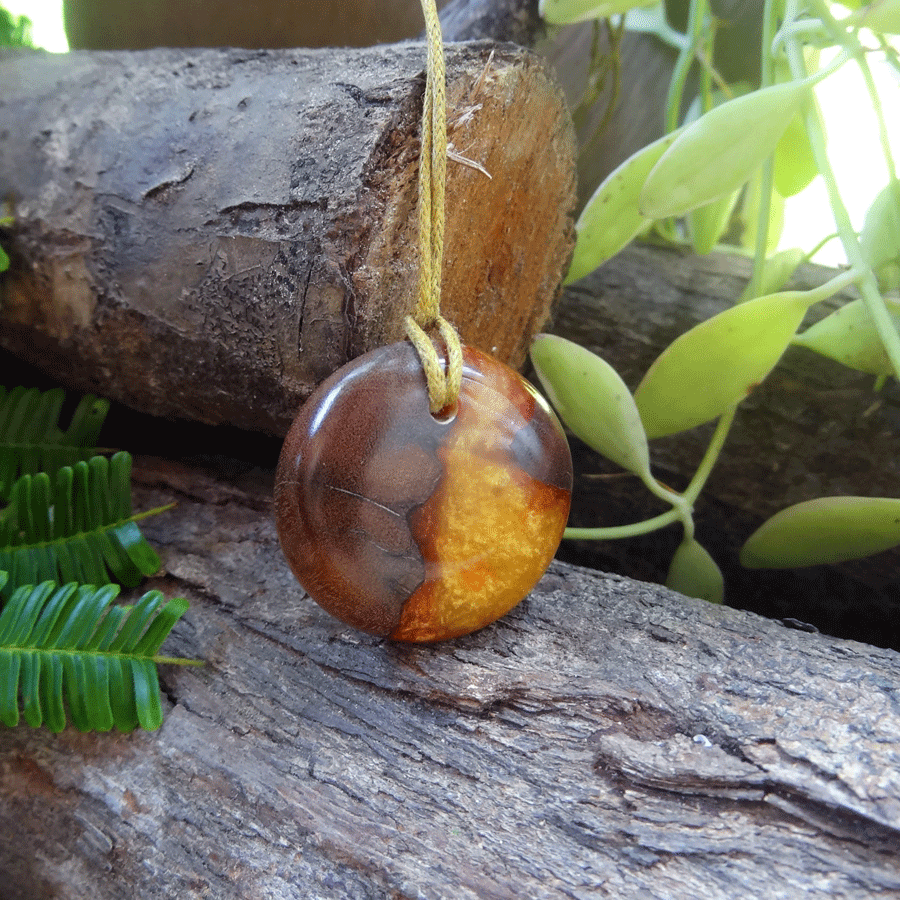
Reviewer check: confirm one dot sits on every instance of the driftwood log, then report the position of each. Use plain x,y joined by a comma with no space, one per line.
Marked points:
518,21
606,739
210,233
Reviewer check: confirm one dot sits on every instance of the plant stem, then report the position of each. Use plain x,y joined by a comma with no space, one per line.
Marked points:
683,504
852,45
151,512
705,57
615,532
809,256
176,661
764,213
796,29
833,285
696,19
868,286
711,456
680,505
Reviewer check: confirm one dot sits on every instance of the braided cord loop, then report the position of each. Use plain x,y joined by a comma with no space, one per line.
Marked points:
443,386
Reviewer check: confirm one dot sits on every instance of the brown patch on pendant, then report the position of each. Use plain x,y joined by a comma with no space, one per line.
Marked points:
359,458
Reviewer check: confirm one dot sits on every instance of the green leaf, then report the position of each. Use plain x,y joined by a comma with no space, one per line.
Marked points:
567,12
611,220
4,260
717,363
777,272
81,530
848,335
794,161
881,16
15,31
69,647
708,223
31,439
694,573
719,152
826,530
592,400
880,237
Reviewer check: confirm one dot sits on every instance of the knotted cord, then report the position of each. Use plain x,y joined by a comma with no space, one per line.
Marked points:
443,386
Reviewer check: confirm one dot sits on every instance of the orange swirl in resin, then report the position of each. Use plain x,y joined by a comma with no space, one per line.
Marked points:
414,527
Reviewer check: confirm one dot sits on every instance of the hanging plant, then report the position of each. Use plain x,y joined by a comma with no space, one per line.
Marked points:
735,162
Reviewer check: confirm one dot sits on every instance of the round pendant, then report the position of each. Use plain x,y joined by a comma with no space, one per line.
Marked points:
417,527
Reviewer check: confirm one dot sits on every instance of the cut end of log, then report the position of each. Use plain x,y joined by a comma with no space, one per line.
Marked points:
510,192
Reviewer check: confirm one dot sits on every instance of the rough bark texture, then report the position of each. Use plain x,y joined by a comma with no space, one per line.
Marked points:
813,428
210,233
607,738
499,20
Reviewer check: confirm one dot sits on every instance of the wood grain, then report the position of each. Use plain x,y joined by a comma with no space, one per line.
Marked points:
607,738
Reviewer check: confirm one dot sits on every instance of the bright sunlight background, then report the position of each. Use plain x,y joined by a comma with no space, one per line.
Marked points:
47,22
854,149
853,143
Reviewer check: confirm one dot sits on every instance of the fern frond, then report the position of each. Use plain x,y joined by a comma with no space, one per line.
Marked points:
31,439
80,528
69,647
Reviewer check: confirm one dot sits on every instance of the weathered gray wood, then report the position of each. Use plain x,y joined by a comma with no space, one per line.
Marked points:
209,233
608,738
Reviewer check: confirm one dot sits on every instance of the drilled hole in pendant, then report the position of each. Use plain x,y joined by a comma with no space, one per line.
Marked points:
446,415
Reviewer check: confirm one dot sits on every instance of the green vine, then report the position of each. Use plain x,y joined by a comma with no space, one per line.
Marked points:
763,146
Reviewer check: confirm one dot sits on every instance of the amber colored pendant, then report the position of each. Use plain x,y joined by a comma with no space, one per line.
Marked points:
417,527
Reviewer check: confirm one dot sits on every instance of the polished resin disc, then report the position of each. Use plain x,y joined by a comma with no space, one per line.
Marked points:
415,527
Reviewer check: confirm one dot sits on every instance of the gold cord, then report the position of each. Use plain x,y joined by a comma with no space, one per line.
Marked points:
443,386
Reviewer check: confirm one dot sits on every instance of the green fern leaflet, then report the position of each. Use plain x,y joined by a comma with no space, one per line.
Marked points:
69,647
31,439
78,528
